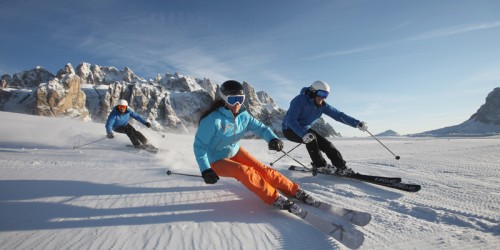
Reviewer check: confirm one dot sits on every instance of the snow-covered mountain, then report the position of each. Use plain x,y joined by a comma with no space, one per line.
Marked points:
389,132
172,102
486,121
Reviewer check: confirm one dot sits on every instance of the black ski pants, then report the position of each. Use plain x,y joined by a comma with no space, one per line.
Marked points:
321,144
135,136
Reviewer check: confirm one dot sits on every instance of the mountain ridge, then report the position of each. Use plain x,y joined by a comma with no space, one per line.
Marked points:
485,122
172,102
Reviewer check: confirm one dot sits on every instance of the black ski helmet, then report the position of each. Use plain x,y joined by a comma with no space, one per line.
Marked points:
231,87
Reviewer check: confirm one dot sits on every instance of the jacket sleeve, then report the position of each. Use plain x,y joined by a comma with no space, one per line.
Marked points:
292,118
260,129
340,116
137,117
206,130
110,122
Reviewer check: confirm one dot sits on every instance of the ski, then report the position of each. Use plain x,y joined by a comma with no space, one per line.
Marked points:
150,149
357,176
340,230
373,178
391,182
355,217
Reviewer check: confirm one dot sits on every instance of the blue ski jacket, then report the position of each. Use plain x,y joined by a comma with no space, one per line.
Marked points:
219,133
117,119
303,112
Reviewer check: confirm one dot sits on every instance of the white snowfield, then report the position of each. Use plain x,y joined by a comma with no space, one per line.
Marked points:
109,196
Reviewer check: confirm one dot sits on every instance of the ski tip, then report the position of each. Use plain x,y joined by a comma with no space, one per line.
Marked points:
352,240
412,188
364,221
292,167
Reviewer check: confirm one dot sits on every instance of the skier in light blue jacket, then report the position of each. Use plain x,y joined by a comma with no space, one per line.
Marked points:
118,121
304,110
218,151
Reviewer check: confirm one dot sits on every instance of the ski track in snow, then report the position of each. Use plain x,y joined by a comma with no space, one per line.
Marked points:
108,196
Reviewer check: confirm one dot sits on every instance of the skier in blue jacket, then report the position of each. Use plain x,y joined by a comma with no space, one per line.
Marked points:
118,121
218,151
306,108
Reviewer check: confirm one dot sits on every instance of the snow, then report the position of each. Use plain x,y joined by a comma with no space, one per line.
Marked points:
108,196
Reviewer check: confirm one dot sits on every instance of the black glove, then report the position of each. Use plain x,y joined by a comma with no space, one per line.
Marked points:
275,144
110,136
148,124
209,176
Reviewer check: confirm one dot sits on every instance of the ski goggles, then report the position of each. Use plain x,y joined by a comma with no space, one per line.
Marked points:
122,107
233,99
322,93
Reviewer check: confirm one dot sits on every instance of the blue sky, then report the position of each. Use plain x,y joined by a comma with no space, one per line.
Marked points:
410,66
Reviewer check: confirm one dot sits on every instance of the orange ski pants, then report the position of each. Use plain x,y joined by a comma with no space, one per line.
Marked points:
257,177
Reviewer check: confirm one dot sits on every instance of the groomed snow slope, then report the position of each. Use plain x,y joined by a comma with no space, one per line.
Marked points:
108,196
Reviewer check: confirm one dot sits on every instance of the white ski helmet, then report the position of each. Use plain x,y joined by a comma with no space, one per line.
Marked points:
122,102
320,85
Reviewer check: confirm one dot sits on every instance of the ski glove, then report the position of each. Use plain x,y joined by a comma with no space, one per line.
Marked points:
148,124
309,137
275,144
362,126
209,176
110,136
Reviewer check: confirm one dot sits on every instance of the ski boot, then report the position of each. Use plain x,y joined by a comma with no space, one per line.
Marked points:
283,203
343,171
301,195
326,169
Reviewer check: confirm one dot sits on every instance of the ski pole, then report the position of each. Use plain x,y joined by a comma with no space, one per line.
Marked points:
173,173
312,170
286,152
162,135
397,156
75,147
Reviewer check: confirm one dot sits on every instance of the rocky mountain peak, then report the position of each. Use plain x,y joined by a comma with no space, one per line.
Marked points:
489,112
95,74
179,83
66,71
27,79
486,121
170,102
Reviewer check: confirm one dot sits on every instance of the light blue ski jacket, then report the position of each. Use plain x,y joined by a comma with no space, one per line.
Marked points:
219,133
117,119
303,112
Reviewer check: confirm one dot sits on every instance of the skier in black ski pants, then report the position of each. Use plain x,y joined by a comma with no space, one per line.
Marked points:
118,121
306,108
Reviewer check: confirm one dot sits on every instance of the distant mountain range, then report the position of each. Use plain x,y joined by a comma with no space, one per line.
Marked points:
389,132
171,102
486,121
